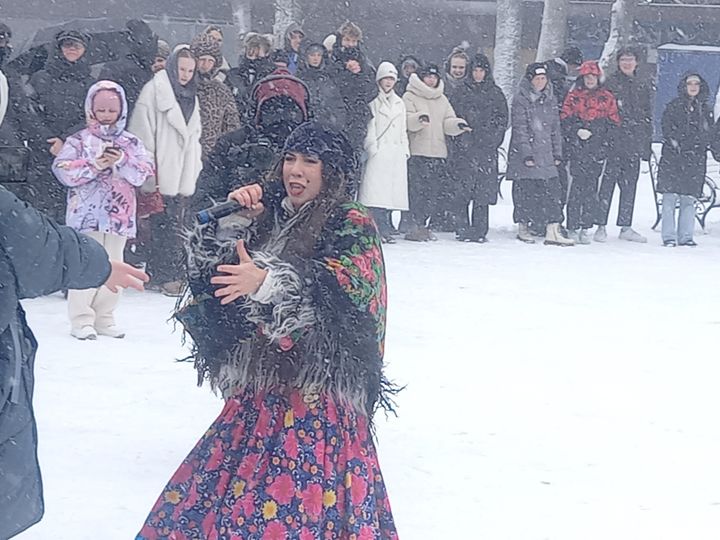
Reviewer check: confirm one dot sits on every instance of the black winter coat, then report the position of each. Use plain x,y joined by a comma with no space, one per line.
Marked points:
37,257
688,132
634,101
243,78
239,158
484,107
326,103
58,92
131,73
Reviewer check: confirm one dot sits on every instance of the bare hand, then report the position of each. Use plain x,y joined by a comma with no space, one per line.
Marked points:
124,276
56,144
249,197
353,66
584,134
242,279
113,155
103,162
529,162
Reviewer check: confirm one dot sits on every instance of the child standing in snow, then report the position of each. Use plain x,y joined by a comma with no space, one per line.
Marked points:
102,165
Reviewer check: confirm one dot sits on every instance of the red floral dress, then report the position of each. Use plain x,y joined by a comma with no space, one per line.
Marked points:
283,463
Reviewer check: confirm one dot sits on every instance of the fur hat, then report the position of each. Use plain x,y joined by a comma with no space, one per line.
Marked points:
314,139
535,69
163,49
205,45
253,40
350,29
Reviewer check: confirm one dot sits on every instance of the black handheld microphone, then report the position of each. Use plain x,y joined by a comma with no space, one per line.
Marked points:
217,212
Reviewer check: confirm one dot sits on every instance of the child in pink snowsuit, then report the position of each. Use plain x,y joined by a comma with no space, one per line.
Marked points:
102,165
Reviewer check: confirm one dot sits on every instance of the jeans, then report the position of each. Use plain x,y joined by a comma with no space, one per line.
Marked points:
686,219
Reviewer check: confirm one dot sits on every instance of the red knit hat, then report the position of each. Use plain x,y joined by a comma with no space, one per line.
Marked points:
281,83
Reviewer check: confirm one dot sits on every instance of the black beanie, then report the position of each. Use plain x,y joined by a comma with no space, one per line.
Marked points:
72,35
535,69
430,69
332,148
572,55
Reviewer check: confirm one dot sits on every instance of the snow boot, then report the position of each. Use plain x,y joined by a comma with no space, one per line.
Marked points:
84,333
629,234
111,331
600,234
553,236
418,234
524,235
584,237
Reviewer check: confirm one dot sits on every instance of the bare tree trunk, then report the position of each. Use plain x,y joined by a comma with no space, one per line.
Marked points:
242,15
286,12
508,26
553,30
621,22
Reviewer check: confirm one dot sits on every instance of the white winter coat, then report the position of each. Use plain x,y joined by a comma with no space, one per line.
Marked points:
384,183
158,121
4,96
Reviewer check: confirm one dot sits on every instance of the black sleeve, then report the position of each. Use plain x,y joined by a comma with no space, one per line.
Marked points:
47,257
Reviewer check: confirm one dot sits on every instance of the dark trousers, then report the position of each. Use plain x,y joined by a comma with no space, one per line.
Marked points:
583,207
537,201
623,171
166,257
478,227
426,177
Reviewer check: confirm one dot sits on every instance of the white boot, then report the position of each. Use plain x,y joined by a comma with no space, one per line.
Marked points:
584,237
553,236
111,331
600,234
84,333
524,235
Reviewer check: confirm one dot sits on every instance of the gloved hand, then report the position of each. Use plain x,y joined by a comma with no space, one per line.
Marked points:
584,134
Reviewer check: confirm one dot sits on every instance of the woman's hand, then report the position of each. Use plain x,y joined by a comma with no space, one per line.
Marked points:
242,279
56,144
249,197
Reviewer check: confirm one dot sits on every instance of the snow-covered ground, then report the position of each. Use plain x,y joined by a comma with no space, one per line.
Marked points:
552,393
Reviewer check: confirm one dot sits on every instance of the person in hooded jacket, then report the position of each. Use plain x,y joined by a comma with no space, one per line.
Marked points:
280,104
590,121
430,118
484,107
534,155
223,66
294,36
326,103
253,66
355,79
218,110
688,133
384,184
631,144
457,68
408,65
37,257
135,70
167,120
58,93
102,165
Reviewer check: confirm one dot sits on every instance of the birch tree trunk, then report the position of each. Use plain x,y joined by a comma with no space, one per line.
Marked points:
621,22
242,15
286,12
553,30
508,26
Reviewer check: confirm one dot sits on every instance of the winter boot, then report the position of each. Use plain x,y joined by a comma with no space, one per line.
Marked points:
600,234
84,333
629,234
111,331
418,234
524,235
584,237
553,236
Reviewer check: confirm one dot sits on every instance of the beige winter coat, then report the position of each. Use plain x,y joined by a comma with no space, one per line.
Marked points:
428,140
158,121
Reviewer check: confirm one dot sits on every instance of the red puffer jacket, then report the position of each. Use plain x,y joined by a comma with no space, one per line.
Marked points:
595,110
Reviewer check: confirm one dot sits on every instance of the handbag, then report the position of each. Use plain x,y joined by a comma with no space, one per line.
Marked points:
14,164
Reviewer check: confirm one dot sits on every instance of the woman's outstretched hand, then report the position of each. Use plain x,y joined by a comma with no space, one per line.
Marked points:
241,279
